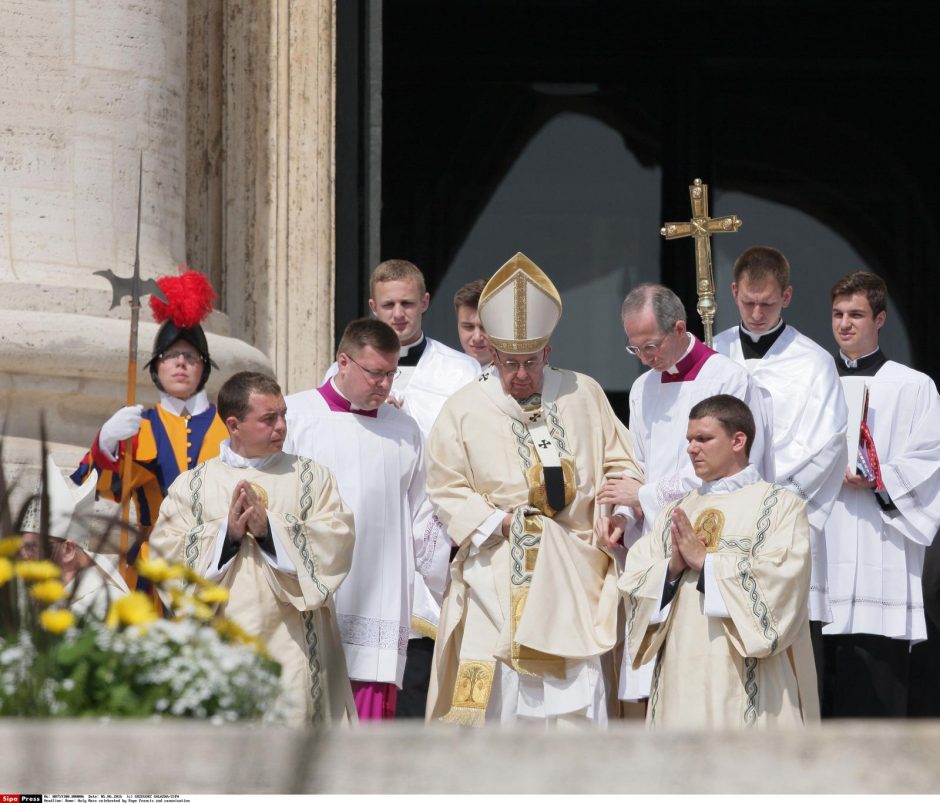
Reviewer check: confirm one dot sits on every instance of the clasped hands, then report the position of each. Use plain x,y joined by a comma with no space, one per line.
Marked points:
688,547
246,514
614,492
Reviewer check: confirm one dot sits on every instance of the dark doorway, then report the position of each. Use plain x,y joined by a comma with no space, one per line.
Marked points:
810,121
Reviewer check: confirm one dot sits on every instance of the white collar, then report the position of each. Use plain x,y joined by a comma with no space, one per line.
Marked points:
672,368
196,404
403,351
725,485
849,363
234,460
759,335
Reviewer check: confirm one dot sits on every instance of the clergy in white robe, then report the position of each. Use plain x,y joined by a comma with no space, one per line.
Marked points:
272,529
683,372
806,399
877,537
429,374
717,592
376,453
515,461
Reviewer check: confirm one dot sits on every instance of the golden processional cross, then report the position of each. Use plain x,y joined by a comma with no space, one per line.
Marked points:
702,227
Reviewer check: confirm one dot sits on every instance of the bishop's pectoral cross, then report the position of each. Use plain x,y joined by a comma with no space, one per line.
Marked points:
701,227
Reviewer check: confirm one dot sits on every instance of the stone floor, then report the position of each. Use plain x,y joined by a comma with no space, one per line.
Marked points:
73,757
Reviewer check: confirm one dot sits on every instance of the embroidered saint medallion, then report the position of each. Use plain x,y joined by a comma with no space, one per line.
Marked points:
709,525
261,493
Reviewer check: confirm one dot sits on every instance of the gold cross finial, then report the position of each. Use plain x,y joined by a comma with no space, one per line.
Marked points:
701,227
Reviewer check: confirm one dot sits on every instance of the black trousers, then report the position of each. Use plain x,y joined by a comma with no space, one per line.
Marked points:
865,676
413,697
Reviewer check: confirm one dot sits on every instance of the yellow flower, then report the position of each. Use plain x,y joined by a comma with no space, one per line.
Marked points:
47,591
10,546
37,570
231,631
194,577
133,609
212,594
158,570
6,571
56,620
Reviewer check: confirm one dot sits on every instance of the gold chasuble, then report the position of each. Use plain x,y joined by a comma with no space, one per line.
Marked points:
546,596
286,601
733,648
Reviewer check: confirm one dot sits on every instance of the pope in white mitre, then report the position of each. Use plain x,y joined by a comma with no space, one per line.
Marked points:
717,592
515,462
272,529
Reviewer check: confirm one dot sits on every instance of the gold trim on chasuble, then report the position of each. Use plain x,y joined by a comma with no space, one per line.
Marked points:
471,693
474,681
709,523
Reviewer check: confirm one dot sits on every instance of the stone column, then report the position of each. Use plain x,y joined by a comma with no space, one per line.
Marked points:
85,87
272,186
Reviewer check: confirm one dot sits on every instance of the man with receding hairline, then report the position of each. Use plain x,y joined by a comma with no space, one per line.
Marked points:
684,371
809,414
717,592
377,455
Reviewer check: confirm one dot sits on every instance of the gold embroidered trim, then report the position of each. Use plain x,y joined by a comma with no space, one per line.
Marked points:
424,627
519,299
471,693
538,496
518,346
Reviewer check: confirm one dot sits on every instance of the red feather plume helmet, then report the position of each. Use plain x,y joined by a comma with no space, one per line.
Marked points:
189,302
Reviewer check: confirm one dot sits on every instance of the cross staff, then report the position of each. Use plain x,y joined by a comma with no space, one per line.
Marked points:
135,288
701,228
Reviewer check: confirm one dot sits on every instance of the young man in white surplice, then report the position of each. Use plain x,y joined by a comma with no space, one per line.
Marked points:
809,414
879,528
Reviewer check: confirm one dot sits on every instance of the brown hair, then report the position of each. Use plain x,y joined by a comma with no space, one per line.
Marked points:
732,413
235,394
396,270
469,294
868,284
365,332
761,261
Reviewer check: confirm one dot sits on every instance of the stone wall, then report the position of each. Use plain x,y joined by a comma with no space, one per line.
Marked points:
74,757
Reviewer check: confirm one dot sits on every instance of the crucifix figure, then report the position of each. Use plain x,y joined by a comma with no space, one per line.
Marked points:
702,227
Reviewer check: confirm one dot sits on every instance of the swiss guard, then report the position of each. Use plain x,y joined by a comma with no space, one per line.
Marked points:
183,430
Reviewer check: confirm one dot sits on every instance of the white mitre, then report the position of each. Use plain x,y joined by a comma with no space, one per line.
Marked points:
71,508
519,307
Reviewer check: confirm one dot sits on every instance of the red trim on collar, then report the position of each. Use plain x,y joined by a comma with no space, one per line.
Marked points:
689,366
340,405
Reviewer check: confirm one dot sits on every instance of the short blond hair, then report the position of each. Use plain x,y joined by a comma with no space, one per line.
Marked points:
396,270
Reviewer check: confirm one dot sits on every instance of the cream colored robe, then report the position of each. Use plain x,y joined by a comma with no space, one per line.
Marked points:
754,667
478,450
290,611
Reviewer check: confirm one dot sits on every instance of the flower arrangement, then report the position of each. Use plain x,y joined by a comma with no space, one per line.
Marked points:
134,663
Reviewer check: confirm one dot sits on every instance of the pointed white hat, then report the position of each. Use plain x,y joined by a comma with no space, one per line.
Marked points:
519,307
70,508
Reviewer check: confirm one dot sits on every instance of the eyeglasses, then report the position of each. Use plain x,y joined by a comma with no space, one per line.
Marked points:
375,375
649,350
513,366
189,357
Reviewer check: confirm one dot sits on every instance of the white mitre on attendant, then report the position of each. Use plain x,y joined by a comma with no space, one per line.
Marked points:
70,509
519,307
